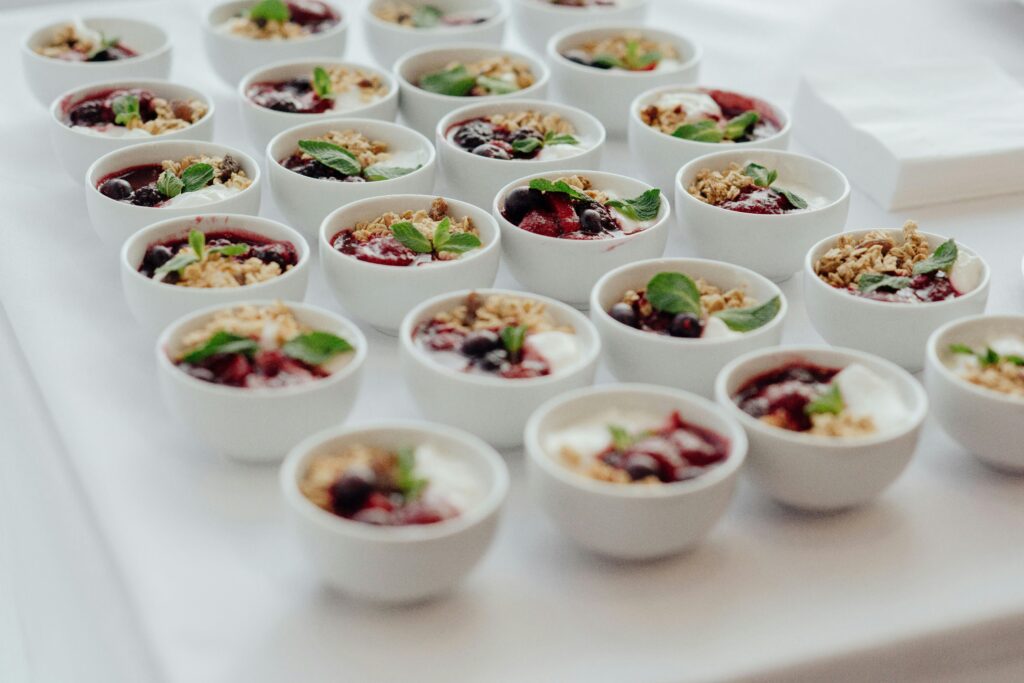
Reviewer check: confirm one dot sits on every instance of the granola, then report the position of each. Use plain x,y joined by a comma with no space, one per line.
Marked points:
876,252
325,470
712,299
630,50
715,187
75,43
367,151
497,311
226,169
1005,376
273,324
426,221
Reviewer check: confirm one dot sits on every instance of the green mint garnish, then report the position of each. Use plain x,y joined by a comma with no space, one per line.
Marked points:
176,263
738,126
496,86
621,438
869,282
642,208
322,83
961,348
456,81
702,131
634,60
270,10
747,319
315,348
406,233
408,483
988,357
545,185
375,172
332,156
942,258
426,16
222,343
196,177
512,337
794,199
126,108
674,293
829,402
169,185
196,240
527,145
762,176
458,243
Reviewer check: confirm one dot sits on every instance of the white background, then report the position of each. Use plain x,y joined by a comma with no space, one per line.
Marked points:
129,554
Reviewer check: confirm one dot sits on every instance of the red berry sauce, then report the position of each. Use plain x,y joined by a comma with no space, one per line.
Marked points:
676,452
924,288
555,214
479,352
263,369
762,200
97,109
783,394
369,500
281,252
383,250
313,15
733,104
294,97
481,137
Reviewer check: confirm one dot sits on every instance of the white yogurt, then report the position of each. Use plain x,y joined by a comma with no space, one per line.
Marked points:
715,328
112,131
697,106
629,226
814,200
867,394
590,437
451,480
207,195
560,349
1006,345
403,159
551,152
667,64
352,99
965,275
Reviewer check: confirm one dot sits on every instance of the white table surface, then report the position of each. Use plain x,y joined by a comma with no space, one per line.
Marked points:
129,554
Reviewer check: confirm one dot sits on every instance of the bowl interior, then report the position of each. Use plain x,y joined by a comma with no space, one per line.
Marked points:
157,151
762,106
405,145
492,8
289,70
686,50
622,187
413,67
933,240
164,89
795,171
368,209
975,332
140,36
589,130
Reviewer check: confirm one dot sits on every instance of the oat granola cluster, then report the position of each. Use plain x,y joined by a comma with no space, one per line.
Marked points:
716,187
712,299
426,221
665,119
621,46
170,115
586,186
272,29
273,325
843,424
503,68
367,151
599,470
325,470
535,120
876,252
344,79
500,311
216,271
1005,377
226,169
67,39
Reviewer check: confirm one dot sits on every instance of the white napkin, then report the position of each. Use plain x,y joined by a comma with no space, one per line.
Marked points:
913,135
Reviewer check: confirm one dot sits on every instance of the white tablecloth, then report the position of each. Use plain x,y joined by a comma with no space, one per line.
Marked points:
135,550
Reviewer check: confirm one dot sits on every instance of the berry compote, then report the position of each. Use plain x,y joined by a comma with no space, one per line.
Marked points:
677,451
313,15
556,214
383,250
483,138
733,104
783,394
924,288
373,499
642,316
311,168
295,96
480,351
762,200
281,252
138,184
264,368
97,110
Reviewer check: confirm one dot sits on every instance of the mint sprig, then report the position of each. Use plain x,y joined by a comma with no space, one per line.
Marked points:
764,177
751,318
444,240
545,185
315,348
942,258
377,172
322,83
426,16
222,343
456,81
496,86
674,293
642,208
332,156
126,108
701,131
193,178
169,185
988,357
869,282
408,483
829,402
270,10
512,338
527,145
738,126
197,241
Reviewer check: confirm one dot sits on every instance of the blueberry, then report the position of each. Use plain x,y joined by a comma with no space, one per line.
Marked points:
624,313
494,150
102,56
147,196
474,134
527,134
641,466
117,189
685,325
155,257
494,360
591,221
299,85
349,494
91,114
476,344
283,103
278,253
521,201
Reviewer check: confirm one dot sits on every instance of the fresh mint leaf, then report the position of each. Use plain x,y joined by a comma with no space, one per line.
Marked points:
990,357
621,438
961,348
332,156
406,233
942,258
175,265
829,402
553,138
527,145
763,177
796,200
169,185
1016,360
229,250
426,16
635,61
545,185
442,233
222,343
642,208
608,62
322,83
408,483
513,337
702,131
456,81
674,293
375,172
126,108
196,177
197,240
315,348
460,243
747,319
738,126
270,10
869,282
496,86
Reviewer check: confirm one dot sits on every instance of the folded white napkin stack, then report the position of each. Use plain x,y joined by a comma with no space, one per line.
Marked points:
914,135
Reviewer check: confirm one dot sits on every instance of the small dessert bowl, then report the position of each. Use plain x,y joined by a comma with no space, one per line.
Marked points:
231,53
566,268
606,89
897,331
391,30
774,244
77,147
422,108
818,472
260,423
494,405
306,201
356,90
654,116
640,515
47,77
383,290
391,563
155,302
477,179
537,20
972,367
115,220
634,354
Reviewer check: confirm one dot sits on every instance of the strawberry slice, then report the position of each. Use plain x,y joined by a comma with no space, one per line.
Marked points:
565,215
541,223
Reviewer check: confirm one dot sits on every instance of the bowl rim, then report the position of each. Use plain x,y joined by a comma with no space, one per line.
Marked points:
165,365
541,6
844,356
738,443
323,239
455,115
211,28
142,235
56,113
680,40
91,182
634,113
808,269
537,66
355,123
499,17
676,263
590,355
932,355
253,76
664,210
300,454
164,47
817,166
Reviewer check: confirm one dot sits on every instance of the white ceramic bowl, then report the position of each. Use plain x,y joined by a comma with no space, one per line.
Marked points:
396,564
47,78
262,124
259,425
493,408
772,245
691,364
566,269
115,221
821,473
988,424
608,92
631,521
77,150
382,295
156,304
537,20
895,331
389,41
660,155
478,179
233,56
422,109
305,202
